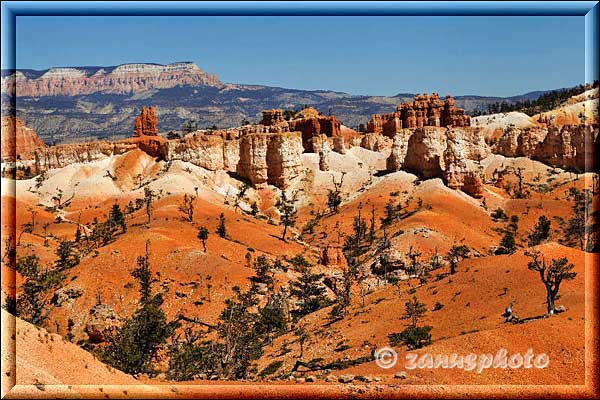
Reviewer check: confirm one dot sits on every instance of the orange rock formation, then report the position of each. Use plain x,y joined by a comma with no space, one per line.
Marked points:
146,124
424,110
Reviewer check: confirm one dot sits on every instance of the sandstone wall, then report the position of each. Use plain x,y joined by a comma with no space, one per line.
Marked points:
399,149
63,155
435,152
425,150
270,158
206,151
572,147
457,175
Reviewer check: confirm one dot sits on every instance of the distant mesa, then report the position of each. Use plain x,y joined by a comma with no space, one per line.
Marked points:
121,79
424,110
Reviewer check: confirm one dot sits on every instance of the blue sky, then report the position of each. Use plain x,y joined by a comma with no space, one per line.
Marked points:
500,56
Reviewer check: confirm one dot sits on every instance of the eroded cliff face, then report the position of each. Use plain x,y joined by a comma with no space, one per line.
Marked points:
517,142
18,141
457,175
270,158
434,152
308,121
63,155
425,150
570,147
206,151
262,158
263,154
399,149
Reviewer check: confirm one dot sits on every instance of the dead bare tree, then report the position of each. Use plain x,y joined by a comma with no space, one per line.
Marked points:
187,207
552,276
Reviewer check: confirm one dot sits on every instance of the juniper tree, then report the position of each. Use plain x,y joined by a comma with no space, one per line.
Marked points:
273,316
33,301
391,213
33,214
262,267
457,252
413,256
508,244
116,218
241,343
148,200
67,256
203,235
540,232
577,227
189,126
188,356
57,198
552,276
134,346
520,194
372,228
221,229
413,336
241,196
309,292
499,214
287,211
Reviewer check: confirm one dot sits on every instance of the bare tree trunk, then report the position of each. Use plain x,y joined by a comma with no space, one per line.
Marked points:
550,303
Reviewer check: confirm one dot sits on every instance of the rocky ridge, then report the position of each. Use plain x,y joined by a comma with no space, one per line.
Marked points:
271,152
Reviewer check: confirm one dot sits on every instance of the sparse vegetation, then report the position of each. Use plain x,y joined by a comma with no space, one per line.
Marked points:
413,336
579,232
33,303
